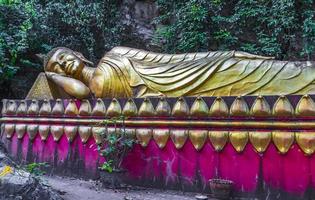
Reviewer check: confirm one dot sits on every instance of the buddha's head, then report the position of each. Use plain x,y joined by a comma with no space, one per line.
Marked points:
64,61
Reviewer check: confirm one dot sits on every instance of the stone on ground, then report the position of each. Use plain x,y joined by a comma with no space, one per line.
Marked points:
16,183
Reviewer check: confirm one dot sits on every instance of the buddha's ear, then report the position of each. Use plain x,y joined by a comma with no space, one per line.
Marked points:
79,55
41,57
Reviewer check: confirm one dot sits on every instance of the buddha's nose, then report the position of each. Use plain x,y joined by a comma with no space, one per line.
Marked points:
60,62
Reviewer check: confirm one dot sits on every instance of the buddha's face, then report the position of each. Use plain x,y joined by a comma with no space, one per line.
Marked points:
65,62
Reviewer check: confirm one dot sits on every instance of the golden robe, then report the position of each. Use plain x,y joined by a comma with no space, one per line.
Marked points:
127,72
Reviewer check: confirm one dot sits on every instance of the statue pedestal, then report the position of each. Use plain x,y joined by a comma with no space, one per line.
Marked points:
45,89
264,145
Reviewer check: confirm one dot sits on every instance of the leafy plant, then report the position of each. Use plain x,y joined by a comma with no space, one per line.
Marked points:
15,24
115,145
36,169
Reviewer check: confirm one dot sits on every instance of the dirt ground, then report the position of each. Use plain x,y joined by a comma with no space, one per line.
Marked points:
75,189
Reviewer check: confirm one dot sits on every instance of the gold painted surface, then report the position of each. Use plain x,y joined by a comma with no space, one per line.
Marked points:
239,107
9,130
99,108
219,108
260,108
260,140
144,136
98,134
45,109
45,89
11,107
238,139
57,132
113,130
85,133
283,107
85,108
146,109
58,108
22,108
114,109
163,108
180,108
20,130
33,109
305,107
71,109
306,141
199,108
283,140
43,131
292,125
130,133
2,129
198,138
71,132
179,137
218,139
161,137
127,72
130,109
32,130
71,85
4,106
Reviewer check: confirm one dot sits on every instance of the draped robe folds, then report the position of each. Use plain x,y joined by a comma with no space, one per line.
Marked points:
127,72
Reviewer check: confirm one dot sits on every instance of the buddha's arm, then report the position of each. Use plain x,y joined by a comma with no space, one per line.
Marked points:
71,86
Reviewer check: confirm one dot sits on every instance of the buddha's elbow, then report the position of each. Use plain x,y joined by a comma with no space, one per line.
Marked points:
82,93
77,90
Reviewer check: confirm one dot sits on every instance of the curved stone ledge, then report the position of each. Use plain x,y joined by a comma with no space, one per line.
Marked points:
271,107
259,139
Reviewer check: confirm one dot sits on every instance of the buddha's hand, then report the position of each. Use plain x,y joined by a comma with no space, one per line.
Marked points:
71,86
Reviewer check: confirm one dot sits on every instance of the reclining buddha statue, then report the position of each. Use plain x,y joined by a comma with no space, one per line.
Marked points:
127,72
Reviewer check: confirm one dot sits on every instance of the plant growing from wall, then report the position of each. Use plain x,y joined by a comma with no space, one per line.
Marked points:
114,147
37,169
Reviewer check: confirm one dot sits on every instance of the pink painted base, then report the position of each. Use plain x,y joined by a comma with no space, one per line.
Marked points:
188,169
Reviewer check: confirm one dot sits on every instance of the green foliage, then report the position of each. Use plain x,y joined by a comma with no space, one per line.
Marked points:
281,28
15,24
187,21
90,27
29,27
107,166
115,146
37,169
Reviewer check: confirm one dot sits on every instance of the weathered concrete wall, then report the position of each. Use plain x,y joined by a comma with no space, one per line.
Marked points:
268,176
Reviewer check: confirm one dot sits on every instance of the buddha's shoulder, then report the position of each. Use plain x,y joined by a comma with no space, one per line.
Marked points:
120,50
140,54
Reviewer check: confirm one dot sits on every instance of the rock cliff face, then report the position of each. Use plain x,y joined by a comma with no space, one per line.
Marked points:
137,17
15,183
